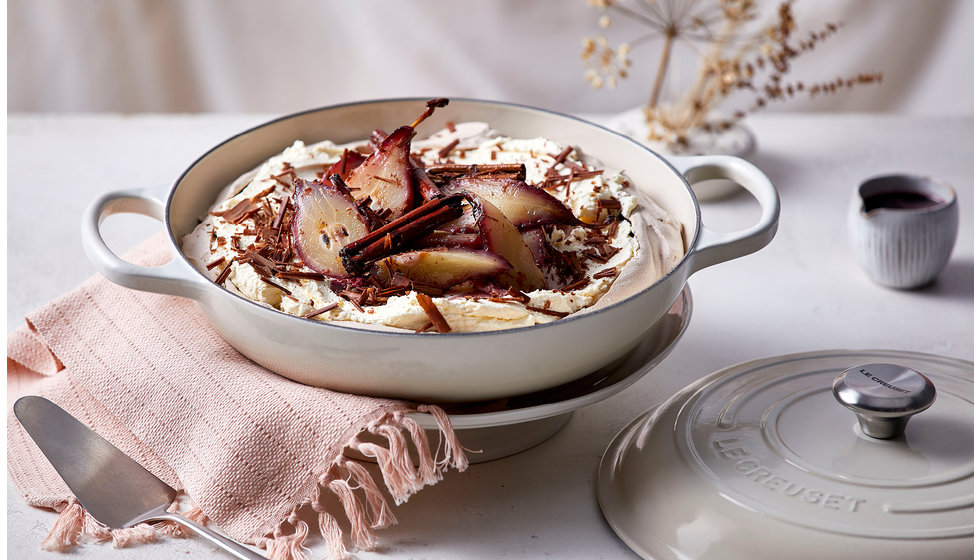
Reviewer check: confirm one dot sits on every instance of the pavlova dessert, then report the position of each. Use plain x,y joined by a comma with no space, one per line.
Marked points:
463,231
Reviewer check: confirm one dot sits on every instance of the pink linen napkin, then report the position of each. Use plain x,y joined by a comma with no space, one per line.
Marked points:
257,454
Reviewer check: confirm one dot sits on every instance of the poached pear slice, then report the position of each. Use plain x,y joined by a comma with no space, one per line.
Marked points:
537,242
386,176
445,268
525,206
348,161
326,218
503,238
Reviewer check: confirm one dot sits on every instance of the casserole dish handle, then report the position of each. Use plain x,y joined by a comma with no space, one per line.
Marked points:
713,247
173,278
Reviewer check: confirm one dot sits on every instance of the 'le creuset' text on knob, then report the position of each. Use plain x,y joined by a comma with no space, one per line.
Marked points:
884,397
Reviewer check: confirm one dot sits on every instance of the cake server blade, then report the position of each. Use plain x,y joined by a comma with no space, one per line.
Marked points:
112,487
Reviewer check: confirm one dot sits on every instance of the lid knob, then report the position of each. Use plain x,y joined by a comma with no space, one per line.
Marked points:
884,396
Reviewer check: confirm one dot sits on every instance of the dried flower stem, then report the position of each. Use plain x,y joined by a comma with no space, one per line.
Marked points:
661,70
756,65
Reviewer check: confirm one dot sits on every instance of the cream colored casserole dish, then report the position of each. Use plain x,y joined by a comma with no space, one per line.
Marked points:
453,366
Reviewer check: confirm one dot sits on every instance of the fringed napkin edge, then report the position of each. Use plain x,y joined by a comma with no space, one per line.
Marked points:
348,480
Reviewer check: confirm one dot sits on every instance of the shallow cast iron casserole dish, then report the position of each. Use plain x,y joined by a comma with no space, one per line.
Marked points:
455,367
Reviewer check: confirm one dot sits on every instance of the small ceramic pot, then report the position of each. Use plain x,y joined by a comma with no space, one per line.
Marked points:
902,228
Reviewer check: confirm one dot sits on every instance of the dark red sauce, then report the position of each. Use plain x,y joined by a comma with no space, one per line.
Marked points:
899,200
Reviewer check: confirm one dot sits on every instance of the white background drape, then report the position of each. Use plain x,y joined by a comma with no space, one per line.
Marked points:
286,55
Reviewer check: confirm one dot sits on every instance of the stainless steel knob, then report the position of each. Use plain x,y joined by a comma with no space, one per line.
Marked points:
884,397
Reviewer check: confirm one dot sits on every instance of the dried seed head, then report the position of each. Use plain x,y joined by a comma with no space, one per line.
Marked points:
756,62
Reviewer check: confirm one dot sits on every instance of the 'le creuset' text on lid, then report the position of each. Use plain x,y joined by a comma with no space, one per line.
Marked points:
801,456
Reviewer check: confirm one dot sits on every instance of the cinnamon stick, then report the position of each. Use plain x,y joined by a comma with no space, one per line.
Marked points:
423,183
516,169
394,235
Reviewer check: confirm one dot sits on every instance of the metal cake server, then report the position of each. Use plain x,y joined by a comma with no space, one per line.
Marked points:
113,488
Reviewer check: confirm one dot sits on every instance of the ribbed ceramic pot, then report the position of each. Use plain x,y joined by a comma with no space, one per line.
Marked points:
903,228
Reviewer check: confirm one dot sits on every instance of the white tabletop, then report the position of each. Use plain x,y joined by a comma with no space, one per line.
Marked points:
803,292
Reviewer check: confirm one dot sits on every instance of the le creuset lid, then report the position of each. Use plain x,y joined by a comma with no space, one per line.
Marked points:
834,454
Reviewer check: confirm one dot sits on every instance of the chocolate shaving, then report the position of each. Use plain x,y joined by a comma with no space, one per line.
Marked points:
320,311
356,305
602,253
392,291
432,312
605,273
277,223
279,179
214,263
355,298
554,178
274,285
561,156
574,166
260,197
448,148
299,275
610,203
223,276
287,171
581,283
518,295
374,219
547,311
607,250
613,228
239,212
257,259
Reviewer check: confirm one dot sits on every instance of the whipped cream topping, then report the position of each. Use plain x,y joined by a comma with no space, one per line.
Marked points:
217,243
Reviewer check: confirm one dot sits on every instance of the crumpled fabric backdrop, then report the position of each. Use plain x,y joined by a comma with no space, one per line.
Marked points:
290,55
